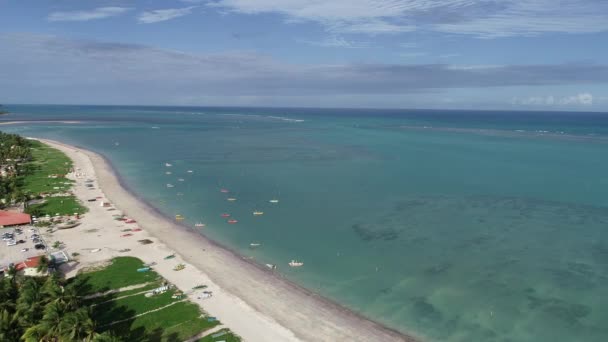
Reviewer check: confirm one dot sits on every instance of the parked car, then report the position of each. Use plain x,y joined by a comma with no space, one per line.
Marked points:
11,243
40,246
21,241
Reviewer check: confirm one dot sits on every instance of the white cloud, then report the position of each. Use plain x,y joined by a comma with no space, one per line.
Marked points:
156,16
51,69
412,54
97,13
337,42
481,18
582,99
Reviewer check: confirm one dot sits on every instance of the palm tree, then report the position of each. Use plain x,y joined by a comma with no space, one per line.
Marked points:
12,273
52,287
69,298
78,326
49,328
106,337
43,264
9,327
29,304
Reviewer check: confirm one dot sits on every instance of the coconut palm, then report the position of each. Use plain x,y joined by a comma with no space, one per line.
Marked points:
43,264
30,303
9,326
106,337
78,326
69,298
49,329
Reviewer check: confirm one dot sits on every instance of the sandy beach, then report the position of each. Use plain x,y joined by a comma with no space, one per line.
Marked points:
253,302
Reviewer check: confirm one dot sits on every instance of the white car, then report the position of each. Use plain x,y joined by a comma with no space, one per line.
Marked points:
11,243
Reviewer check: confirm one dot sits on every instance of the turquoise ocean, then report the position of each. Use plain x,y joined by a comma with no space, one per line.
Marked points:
451,225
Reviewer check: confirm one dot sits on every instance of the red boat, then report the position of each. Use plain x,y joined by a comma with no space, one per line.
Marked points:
224,191
130,221
137,230
225,215
233,221
125,235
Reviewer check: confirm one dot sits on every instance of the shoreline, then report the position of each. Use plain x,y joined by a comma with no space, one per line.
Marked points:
71,122
260,295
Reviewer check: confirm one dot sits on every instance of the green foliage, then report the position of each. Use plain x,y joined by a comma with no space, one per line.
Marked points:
120,273
228,337
46,161
51,309
62,205
175,323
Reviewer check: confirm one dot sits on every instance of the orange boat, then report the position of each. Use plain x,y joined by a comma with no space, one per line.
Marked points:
225,215
233,221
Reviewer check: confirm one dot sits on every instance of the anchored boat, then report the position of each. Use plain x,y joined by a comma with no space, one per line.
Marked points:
295,263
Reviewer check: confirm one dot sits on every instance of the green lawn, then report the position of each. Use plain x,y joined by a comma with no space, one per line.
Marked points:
46,161
62,205
175,323
127,307
113,296
122,272
228,337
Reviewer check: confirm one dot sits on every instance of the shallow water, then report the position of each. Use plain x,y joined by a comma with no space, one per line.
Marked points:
453,235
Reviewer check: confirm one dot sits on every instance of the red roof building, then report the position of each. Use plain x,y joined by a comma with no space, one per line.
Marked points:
11,218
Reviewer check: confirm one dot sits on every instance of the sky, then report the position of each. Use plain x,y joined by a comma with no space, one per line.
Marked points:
436,54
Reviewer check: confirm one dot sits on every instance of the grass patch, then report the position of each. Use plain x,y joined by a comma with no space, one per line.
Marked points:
128,307
228,337
46,161
113,296
62,205
175,323
122,272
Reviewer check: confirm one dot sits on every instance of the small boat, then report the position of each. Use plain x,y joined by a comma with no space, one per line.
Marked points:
179,217
295,263
231,199
254,245
137,230
224,191
168,165
179,267
199,224
170,256
274,201
225,215
271,266
258,213
126,235
190,171
168,172
170,185
130,221
124,250
199,287
143,269
233,221
150,264
180,179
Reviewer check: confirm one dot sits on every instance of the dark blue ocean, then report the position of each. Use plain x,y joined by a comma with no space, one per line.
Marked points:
453,225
